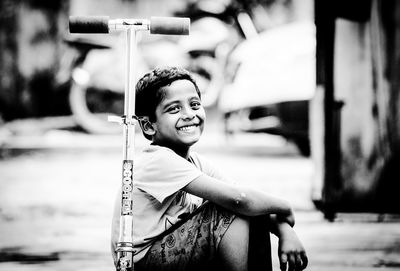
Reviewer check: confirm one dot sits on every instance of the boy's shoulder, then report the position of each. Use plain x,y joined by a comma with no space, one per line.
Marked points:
154,154
156,150
201,162
158,154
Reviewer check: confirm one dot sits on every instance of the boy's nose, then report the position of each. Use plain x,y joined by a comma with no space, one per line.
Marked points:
188,113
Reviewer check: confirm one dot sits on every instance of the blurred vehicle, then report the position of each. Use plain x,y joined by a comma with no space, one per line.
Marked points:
83,97
270,81
97,75
93,68
217,27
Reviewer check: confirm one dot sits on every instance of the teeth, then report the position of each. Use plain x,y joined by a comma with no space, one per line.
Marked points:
187,128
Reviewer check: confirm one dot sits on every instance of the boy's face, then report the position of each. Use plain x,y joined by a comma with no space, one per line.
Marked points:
179,116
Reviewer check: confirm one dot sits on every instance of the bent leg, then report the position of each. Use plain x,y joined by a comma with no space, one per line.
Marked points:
233,248
246,245
260,244
191,244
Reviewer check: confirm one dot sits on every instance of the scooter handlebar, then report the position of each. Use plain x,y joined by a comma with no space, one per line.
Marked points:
169,25
88,24
102,24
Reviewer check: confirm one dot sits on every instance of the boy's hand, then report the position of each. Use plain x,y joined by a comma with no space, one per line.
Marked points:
289,219
292,255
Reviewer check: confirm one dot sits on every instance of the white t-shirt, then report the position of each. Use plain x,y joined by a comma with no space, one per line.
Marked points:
158,202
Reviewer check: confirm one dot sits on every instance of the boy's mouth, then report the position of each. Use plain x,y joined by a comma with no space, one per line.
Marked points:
188,128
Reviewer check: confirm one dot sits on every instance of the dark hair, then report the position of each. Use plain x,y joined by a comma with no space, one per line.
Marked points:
149,91
149,88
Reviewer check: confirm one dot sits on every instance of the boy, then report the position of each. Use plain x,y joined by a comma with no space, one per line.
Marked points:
187,215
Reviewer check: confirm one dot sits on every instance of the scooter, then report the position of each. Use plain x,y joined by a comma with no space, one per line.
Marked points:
156,25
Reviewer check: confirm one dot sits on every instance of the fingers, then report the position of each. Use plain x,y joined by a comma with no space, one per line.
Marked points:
304,259
287,261
283,261
293,261
299,262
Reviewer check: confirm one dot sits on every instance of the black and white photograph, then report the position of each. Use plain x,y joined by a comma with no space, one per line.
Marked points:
219,135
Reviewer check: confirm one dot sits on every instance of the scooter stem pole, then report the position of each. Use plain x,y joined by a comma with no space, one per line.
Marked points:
129,101
125,242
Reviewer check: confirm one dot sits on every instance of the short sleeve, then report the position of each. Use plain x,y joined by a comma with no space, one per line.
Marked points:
160,172
210,169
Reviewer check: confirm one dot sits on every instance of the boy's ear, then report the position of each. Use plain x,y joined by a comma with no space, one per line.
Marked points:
147,126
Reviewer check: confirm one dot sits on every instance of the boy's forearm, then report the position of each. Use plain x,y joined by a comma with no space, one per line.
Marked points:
240,199
255,202
278,226
282,228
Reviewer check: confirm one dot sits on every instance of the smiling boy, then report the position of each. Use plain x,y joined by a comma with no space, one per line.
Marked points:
179,118
188,215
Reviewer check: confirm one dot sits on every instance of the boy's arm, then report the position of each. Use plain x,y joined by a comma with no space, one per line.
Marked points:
291,251
239,199
276,221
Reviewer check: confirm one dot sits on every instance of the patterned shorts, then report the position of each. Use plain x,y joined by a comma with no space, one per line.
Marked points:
192,245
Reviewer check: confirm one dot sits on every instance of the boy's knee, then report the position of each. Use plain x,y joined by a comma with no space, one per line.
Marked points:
237,235
234,245
238,231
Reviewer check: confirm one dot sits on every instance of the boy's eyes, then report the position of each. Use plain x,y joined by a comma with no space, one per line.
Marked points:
195,105
174,109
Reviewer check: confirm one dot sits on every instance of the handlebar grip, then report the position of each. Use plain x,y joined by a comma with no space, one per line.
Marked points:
169,25
88,24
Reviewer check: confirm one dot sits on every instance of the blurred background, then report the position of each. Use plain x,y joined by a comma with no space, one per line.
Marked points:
302,101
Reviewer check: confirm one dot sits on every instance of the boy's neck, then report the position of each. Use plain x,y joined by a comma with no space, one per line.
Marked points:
181,151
